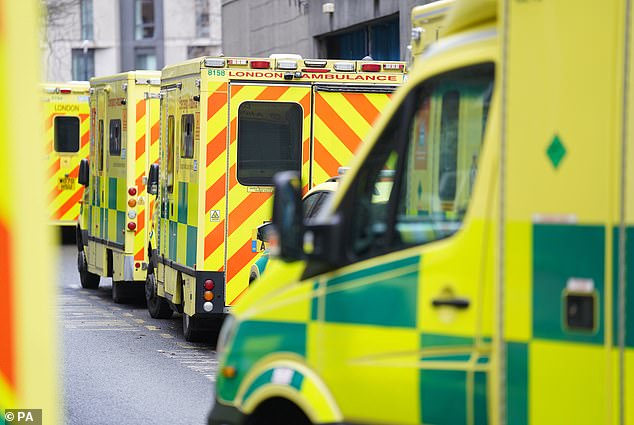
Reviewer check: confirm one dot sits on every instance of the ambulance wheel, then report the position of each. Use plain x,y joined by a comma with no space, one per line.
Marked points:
87,279
192,330
157,306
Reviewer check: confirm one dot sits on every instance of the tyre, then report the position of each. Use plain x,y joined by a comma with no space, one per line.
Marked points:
87,279
192,329
157,306
120,292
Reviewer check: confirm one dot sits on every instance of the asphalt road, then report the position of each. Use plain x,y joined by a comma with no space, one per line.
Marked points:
120,366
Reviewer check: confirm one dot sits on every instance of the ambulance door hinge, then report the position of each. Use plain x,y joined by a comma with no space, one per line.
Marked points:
147,95
198,83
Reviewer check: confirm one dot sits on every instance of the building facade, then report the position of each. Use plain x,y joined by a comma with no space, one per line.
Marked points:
337,29
87,38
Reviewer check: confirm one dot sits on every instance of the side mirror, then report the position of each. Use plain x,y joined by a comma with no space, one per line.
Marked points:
84,172
288,216
152,179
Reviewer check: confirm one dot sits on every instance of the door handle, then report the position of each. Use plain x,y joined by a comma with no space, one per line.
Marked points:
459,303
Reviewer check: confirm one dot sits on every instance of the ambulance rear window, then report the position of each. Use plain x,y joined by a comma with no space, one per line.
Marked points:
66,134
115,137
269,140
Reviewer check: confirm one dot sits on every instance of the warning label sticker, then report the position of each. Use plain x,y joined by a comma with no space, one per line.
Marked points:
214,216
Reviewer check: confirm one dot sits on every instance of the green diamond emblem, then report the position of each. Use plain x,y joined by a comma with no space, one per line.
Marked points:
556,151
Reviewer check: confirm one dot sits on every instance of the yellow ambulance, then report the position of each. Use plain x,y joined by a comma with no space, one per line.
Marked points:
228,125
67,129
28,285
494,284
116,212
427,26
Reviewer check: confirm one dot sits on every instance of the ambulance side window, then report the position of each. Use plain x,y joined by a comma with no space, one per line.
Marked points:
435,194
269,140
66,134
187,139
115,137
99,150
416,185
170,153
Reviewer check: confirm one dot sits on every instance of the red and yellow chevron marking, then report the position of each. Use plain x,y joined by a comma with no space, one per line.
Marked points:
63,202
341,122
247,210
147,129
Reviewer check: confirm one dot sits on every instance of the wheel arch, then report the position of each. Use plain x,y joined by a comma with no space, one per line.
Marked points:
292,380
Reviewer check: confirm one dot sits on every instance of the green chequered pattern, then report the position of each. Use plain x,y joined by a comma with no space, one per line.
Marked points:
182,240
296,382
255,339
443,393
629,286
182,202
182,246
120,227
561,252
102,223
115,213
192,234
517,383
112,193
172,240
315,302
443,396
350,305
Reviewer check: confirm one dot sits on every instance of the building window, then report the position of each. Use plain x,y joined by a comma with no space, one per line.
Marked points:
379,39
145,58
66,134
83,64
269,140
202,18
143,19
86,20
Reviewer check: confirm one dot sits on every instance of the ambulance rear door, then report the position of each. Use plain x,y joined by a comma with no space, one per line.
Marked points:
166,233
97,195
269,132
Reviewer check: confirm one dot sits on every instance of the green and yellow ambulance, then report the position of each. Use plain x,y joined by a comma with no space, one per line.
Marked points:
494,284
116,213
